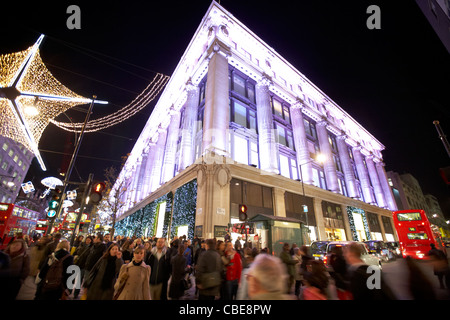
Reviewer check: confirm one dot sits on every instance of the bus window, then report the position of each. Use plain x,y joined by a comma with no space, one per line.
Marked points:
417,236
410,216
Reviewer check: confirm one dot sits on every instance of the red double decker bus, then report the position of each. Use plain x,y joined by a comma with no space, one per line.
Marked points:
414,233
15,219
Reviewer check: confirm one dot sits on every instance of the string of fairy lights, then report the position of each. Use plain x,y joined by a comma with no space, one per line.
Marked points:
139,103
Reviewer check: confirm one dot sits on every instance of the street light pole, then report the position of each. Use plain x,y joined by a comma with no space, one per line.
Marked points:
304,196
71,165
442,136
86,192
319,158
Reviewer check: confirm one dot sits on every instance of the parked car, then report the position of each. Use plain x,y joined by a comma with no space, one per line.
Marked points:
380,249
366,256
395,248
319,249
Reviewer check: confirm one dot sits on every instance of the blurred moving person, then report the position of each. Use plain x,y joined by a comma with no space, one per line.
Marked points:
419,285
440,266
267,278
359,278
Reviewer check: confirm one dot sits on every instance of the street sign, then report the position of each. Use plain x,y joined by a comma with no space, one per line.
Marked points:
51,213
27,187
71,194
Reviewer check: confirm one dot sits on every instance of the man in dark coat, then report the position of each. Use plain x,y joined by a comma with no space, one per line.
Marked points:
208,262
95,253
178,263
199,251
159,261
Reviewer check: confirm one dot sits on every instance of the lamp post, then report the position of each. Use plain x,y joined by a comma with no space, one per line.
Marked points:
72,163
319,158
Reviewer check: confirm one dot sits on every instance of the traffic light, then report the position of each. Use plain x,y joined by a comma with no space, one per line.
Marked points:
242,212
54,203
80,194
96,192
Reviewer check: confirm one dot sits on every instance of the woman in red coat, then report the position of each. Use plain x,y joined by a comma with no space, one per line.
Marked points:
234,270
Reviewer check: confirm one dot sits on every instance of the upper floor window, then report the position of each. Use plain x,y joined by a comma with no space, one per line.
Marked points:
202,91
319,178
243,115
244,149
242,86
310,128
332,140
280,110
288,166
285,136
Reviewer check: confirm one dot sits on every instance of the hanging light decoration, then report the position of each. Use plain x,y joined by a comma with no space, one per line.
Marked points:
30,97
139,103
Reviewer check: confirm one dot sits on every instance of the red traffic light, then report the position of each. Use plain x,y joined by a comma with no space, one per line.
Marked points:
242,212
96,192
98,187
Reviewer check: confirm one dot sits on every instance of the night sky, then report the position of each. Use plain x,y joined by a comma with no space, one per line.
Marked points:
394,81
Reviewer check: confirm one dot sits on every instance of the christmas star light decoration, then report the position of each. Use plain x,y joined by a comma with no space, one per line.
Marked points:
30,97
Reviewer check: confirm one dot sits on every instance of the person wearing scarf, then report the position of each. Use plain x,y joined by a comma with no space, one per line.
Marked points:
133,282
101,279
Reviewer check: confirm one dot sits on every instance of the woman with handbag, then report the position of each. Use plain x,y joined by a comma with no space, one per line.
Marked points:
133,282
209,270
101,279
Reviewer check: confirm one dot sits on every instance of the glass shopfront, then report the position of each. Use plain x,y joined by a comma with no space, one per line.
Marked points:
333,221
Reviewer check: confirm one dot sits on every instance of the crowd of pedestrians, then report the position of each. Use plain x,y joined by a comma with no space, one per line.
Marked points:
134,268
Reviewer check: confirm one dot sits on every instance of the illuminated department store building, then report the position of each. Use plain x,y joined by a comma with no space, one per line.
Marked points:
237,124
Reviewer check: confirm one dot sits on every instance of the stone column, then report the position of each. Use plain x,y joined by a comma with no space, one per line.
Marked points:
171,147
348,231
301,143
279,202
363,175
216,119
187,151
142,173
380,221
155,180
325,148
150,150
388,195
379,194
319,219
347,168
127,195
213,198
136,180
268,149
